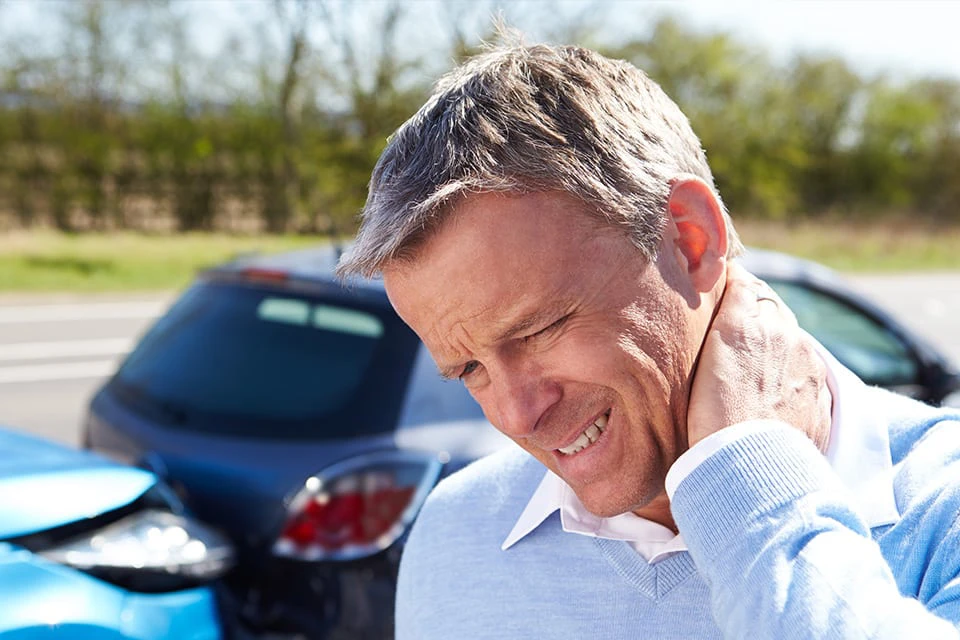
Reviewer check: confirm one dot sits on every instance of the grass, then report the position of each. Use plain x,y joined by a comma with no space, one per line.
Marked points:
45,261
888,247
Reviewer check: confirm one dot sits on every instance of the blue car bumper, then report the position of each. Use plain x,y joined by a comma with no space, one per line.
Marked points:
58,602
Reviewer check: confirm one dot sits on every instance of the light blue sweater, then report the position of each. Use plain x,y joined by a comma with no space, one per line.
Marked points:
776,550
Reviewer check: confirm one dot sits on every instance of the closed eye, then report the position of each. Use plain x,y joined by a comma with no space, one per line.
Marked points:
553,326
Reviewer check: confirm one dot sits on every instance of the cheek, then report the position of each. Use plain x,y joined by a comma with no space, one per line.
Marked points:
489,403
658,336
609,356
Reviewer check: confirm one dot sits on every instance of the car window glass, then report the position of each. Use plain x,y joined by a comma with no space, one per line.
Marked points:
348,321
862,344
238,359
295,312
320,316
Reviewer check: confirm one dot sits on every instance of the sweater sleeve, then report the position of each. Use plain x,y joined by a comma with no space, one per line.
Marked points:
773,533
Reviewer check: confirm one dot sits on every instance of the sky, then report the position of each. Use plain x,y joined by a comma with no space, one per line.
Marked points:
896,36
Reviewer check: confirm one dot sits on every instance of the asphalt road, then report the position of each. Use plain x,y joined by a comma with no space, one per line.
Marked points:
928,303
55,352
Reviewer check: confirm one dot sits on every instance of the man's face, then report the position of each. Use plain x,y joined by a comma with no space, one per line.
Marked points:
576,346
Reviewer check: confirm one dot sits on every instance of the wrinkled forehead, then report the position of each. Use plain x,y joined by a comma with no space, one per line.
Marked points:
509,244
576,216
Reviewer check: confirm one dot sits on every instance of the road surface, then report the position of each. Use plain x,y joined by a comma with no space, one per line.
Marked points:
927,303
55,352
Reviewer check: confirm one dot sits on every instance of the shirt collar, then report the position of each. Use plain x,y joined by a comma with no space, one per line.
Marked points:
859,452
859,449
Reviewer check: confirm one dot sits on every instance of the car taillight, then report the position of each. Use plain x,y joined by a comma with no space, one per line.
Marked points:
357,507
266,275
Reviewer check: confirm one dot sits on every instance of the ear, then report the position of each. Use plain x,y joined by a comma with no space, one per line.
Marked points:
701,239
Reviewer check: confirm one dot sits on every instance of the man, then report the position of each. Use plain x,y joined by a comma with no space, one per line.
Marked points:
696,466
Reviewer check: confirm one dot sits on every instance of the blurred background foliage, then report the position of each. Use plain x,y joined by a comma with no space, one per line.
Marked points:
117,117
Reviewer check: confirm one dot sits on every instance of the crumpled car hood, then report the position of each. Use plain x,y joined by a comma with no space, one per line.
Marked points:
45,485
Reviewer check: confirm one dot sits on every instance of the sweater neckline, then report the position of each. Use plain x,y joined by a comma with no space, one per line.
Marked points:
652,580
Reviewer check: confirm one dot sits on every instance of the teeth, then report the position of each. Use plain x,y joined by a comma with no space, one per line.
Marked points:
588,437
592,433
578,445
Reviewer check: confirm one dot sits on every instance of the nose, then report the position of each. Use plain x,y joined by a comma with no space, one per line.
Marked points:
521,396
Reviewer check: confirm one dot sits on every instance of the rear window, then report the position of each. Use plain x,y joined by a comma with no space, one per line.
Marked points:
237,359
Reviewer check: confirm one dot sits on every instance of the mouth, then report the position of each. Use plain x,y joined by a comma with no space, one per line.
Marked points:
589,436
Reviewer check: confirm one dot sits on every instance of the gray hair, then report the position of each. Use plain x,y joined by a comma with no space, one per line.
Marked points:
532,119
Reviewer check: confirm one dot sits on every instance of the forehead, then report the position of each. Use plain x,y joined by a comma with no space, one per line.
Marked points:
497,253
493,223
500,233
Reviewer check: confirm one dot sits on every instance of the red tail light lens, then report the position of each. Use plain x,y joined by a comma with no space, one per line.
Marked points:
357,507
266,275
350,518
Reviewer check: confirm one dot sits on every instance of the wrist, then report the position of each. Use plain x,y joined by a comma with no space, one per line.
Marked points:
709,444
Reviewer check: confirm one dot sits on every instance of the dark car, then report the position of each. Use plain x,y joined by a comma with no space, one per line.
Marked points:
305,419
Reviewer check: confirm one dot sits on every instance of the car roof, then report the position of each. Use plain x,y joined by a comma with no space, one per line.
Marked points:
312,264
765,263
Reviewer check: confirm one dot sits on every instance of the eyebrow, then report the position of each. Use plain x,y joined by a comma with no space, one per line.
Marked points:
527,323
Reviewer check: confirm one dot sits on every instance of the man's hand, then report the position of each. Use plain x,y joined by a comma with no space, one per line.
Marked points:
757,363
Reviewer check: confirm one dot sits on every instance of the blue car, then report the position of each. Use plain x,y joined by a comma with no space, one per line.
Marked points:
91,549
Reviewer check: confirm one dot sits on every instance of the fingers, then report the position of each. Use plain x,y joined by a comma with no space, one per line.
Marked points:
742,287
755,296
756,363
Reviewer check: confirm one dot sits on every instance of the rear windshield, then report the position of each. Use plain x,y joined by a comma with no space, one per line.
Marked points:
237,359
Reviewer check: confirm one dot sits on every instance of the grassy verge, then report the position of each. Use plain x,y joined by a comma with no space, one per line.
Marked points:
887,247
53,262
45,261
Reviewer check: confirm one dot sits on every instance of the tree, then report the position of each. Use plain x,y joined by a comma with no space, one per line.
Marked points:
366,88
735,101
822,99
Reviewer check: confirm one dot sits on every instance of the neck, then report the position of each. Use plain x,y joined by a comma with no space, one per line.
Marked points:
658,510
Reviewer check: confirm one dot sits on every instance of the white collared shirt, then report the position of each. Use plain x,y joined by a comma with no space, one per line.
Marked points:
859,451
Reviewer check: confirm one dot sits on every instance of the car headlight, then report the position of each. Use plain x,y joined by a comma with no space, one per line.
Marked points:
148,551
